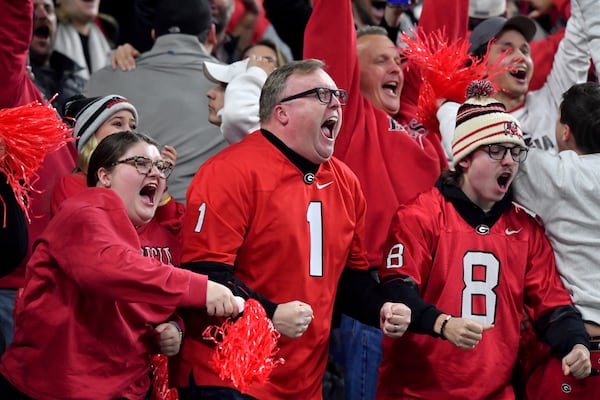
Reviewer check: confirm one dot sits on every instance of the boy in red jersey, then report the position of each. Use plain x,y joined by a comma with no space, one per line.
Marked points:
467,261
276,218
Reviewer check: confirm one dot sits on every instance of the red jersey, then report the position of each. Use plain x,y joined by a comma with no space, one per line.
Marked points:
288,234
83,328
394,159
160,238
485,273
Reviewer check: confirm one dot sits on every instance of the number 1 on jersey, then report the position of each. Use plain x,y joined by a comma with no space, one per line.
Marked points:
315,223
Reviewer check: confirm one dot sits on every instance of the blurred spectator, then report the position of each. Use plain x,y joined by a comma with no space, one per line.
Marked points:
537,111
18,89
79,37
168,85
543,45
289,18
53,72
233,100
249,25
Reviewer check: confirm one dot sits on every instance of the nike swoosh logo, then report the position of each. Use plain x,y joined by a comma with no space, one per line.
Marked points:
509,232
323,186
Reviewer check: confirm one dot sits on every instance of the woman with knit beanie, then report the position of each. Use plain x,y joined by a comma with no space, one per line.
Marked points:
94,119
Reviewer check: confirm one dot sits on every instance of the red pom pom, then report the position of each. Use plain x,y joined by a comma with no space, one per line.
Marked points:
246,347
446,70
160,379
27,134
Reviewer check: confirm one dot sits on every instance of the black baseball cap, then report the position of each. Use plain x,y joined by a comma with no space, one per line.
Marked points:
190,17
491,27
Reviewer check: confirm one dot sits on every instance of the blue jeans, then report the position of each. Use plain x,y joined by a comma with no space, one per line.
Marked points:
361,347
7,323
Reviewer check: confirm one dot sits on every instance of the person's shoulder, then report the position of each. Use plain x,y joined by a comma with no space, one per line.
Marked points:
427,203
523,219
92,198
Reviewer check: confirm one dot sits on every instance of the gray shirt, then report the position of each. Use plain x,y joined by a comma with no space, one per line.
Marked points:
168,89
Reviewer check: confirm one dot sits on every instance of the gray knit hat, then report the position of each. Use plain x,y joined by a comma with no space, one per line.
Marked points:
88,114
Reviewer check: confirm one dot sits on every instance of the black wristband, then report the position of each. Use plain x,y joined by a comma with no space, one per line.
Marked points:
444,322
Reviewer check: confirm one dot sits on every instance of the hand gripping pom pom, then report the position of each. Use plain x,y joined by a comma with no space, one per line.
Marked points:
160,379
480,88
245,348
27,134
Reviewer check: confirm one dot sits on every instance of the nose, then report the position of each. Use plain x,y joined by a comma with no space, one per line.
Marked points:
154,171
507,159
335,102
40,11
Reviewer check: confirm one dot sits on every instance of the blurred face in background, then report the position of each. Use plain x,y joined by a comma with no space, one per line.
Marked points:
216,99
44,31
368,12
381,78
80,11
261,51
513,83
221,11
120,121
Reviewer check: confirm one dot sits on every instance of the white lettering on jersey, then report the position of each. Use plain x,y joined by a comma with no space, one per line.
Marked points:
414,129
395,257
162,254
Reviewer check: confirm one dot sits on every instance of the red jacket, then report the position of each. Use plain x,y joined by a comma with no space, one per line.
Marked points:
84,328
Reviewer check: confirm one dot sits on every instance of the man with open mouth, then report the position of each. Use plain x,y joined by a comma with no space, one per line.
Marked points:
467,261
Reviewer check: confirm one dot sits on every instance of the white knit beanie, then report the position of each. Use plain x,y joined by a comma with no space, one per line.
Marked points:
483,120
90,113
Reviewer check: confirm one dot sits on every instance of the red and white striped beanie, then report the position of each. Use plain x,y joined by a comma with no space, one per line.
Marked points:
483,120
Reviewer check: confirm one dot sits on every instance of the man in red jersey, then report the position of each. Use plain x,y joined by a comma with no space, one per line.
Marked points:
276,218
467,262
382,140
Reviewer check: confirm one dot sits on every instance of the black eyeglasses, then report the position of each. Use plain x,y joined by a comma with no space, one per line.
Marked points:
325,95
498,152
144,165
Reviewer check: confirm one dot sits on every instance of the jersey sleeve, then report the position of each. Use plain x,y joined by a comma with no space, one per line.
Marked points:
65,187
357,258
15,35
103,257
410,244
543,288
170,216
218,214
